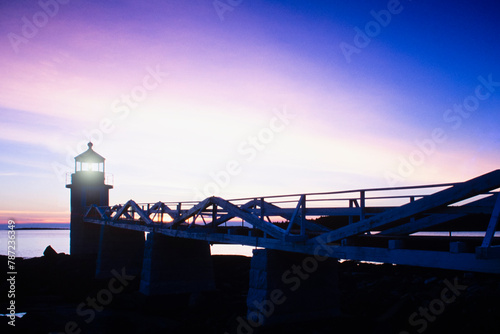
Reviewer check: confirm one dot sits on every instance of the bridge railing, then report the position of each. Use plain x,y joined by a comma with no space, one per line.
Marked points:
292,213
355,204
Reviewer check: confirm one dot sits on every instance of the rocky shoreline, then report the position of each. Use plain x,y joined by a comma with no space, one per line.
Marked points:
59,294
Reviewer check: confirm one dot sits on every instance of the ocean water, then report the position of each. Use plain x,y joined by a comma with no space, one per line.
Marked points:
32,243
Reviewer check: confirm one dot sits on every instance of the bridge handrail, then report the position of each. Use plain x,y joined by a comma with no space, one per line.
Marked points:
353,191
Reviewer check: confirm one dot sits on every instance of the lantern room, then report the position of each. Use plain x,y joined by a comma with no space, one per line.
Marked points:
89,161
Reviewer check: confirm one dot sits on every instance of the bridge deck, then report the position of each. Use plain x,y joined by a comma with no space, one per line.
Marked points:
390,225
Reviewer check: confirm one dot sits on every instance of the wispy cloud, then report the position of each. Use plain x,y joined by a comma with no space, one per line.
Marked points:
8,173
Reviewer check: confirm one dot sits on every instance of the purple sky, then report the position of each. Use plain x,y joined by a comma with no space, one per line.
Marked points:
189,99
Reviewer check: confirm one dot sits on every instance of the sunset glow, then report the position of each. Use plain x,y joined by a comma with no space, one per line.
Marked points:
186,101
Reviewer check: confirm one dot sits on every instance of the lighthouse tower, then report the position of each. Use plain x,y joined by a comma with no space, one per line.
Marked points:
87,187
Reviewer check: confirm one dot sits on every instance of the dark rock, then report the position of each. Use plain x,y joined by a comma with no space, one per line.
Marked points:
49,252
374,300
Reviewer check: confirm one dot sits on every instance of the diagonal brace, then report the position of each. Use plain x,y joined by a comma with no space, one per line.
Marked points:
458,192
492,226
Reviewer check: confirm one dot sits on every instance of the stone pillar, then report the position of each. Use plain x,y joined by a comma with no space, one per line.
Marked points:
119,248
287,287
176,265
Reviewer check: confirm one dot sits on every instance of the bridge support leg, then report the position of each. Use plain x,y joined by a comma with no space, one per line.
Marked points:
175,265
287,287
118,249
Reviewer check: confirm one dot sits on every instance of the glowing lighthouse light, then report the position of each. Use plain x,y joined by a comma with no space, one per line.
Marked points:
89,161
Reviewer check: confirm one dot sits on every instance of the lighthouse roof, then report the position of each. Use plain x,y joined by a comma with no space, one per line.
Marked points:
89,155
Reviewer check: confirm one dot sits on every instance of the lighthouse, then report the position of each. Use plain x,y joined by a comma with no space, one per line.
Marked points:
88,186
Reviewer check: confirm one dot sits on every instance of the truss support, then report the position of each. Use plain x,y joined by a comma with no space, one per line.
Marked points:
492,226
439,218
298,216
487,250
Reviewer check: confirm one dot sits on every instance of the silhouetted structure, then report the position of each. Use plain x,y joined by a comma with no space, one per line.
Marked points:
87,188
299,262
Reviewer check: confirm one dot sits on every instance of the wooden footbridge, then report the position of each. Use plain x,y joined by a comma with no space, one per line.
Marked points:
450,226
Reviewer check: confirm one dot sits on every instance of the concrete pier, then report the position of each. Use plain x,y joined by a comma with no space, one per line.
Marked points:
287,287
119,248
175,265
